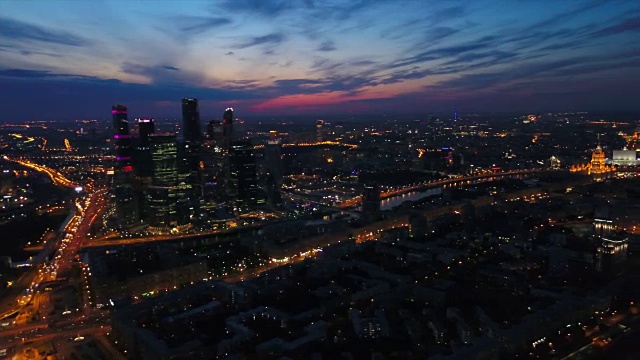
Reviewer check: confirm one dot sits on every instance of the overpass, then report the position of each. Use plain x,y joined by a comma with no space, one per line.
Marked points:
55,176
149,239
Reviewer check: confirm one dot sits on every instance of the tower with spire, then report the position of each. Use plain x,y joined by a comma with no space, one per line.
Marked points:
597,165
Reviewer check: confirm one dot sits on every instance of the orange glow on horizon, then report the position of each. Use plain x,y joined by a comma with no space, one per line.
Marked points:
307,100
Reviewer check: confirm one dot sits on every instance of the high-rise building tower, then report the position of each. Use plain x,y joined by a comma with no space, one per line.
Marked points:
244,178
598,159
164,159
320,131
273,158
455,114
143,164
122,140
161,195
370,202
275,169
125,196
212,151
227,129
191,120
213,161
146,127
214,130
190,169
192,138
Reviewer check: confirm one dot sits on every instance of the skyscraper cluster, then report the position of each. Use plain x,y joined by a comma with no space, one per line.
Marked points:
171,181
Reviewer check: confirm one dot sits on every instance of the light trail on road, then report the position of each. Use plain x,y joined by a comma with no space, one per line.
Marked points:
55,176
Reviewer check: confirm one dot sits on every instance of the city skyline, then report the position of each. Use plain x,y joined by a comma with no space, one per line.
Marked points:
303,58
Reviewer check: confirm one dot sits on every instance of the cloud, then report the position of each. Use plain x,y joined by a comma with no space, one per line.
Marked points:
17,30
326,65
447,14
39,74
362,63
626,25
160,74
328,45
542,70
243,84
268,8
440,32
18,49
352,8
445,52
469,58
274,38
23,73
193,25
403,75
473,81
229,53
569,14
54,91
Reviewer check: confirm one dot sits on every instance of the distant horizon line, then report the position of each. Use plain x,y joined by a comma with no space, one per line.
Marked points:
276,117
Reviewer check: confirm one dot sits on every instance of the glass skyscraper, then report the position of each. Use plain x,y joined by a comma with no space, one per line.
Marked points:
161,195
123,191
143,163
244,178
122,140
191,120
190,169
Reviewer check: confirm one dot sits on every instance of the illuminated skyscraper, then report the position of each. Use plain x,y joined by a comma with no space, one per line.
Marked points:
191,120
227,129
190,178
244,178
320,130
598,163
161,195
213,160
213,148
143,164
126,200
455,114
273,158
598,160
164,159
146,127
125,196
192,141
273,162
122,140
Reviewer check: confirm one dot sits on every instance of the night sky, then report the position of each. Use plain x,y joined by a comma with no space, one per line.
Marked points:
74,59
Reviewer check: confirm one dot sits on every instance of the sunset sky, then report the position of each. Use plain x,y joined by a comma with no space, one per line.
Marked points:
74,59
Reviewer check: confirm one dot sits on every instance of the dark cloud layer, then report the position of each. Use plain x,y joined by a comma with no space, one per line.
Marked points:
327,46
22,31
274,38
88,95
194,25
